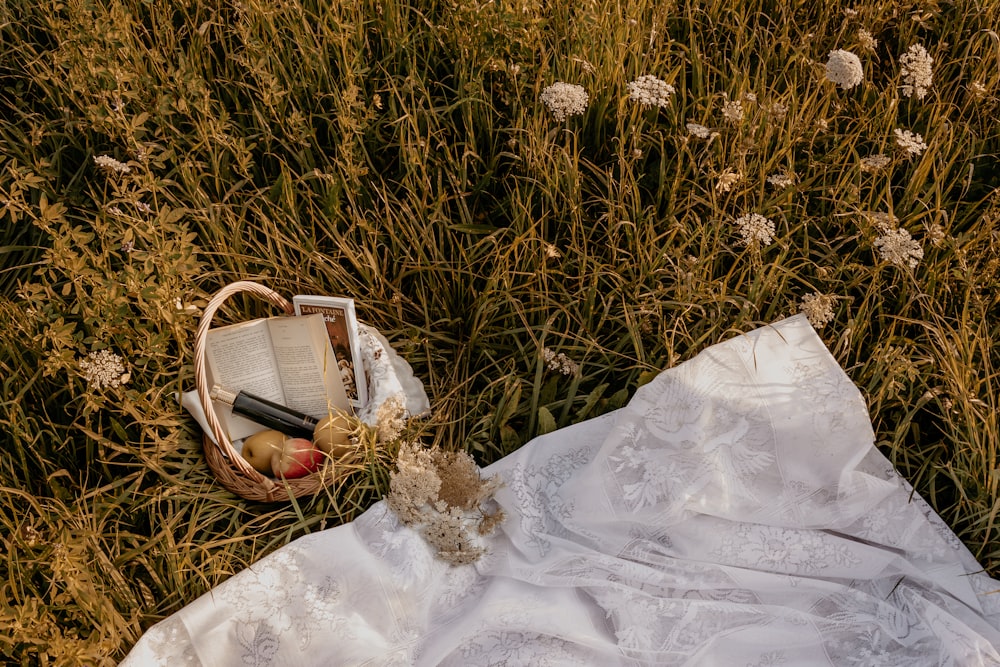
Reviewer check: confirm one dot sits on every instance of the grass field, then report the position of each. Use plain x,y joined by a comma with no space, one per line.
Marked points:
402,154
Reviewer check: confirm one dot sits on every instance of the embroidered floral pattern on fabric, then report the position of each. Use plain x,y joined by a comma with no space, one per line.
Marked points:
773,549
536,490
735,512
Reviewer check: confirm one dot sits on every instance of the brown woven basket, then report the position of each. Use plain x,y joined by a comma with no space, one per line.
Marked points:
229,467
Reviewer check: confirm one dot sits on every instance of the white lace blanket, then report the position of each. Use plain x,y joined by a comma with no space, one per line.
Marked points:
734,513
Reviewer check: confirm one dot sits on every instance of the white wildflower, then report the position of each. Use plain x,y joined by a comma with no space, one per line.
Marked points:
898,247
844,69
390,419
732,111
917,69
565,99
755,229
103,368
778,110
868,43
700,131
818,309
874,163
112,165
883,221
559,362
782,179
551,251
910,142
977,89
143,207
727,180
648,90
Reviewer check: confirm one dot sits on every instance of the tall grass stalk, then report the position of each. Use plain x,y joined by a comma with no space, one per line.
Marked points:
398,153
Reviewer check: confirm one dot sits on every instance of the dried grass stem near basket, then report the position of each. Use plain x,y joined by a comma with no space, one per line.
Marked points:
228,466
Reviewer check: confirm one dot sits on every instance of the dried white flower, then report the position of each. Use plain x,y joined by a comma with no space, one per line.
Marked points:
917,69
874,163
910,142
390,419
732,110
883,221
844,69
109,164
818,308
778,110
727,180
143,207
868,43
782,179
755,229
565,99
977,89
899,248
559,362
551,251
648,90
103,368
700,131
443,495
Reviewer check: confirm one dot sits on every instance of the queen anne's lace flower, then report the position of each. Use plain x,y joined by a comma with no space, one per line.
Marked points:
898,247
844,69
874,163
103,368
648,90
732,111
565,99
700,131
868,43
818,308
917,69
108,163
755,229
910,142
559,362
443,495
782,179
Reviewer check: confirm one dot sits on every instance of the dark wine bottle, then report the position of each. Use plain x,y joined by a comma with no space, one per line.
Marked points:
292,423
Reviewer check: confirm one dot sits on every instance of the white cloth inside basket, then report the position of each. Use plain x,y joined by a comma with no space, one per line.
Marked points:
388,375
735,512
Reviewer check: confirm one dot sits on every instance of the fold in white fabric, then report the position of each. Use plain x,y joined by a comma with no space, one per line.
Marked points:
735,512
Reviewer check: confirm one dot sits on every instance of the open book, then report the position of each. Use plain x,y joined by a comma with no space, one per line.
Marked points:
288,360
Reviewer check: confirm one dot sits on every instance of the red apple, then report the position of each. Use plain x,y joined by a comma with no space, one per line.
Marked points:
297,458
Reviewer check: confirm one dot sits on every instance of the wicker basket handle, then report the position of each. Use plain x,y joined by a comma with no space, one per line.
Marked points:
222,440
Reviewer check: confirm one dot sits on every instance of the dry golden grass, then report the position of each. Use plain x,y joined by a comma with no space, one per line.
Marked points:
398,153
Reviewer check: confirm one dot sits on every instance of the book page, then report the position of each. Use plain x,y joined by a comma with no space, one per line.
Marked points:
307,365
240,358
